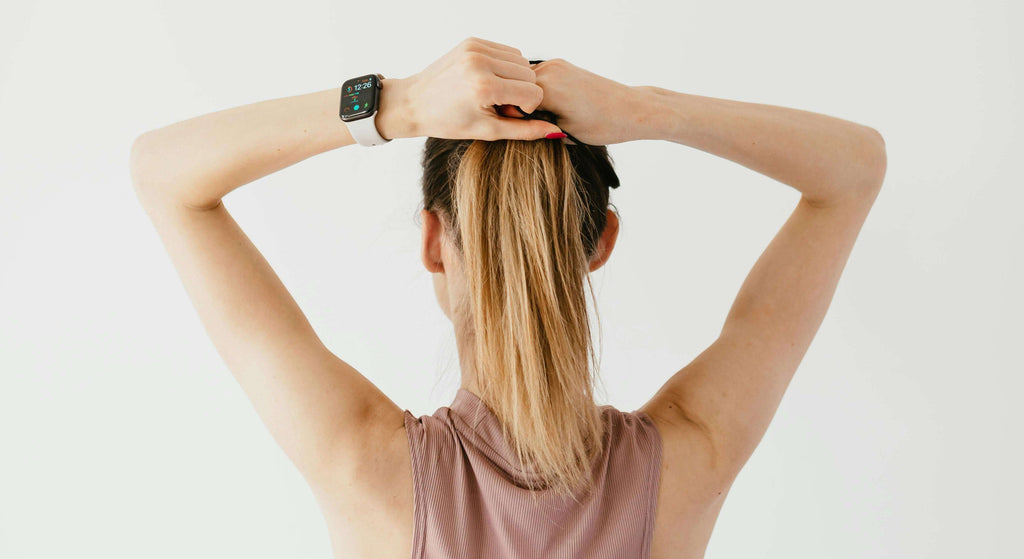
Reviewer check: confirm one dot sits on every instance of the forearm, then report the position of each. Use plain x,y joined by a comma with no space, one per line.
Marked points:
196,162
823,157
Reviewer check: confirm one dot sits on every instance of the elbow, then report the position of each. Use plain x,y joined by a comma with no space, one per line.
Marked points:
146,166
875,160
139,160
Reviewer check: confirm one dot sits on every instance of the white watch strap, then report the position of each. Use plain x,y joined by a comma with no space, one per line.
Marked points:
364,131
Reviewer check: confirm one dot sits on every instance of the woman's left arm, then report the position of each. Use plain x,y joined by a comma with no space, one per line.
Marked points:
319,409
327,417
196,162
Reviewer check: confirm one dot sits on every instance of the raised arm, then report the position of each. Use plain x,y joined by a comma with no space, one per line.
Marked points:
316,406
327,417
732,390
723,401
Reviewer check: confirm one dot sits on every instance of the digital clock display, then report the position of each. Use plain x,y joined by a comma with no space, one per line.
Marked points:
358,97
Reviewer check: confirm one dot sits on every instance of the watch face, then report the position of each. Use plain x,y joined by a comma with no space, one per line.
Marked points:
359,97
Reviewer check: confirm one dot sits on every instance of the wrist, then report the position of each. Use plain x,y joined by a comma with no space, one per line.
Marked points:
653,119
394,117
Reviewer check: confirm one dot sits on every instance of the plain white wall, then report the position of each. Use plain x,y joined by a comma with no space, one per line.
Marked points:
123,434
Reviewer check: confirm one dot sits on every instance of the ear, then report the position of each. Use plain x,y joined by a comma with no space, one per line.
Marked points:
431,246
607,241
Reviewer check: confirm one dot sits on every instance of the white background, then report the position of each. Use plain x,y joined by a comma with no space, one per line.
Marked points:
123,434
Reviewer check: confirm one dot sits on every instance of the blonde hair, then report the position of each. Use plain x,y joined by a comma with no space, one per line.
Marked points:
526,217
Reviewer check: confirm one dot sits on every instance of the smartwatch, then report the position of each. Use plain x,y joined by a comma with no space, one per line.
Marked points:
360,98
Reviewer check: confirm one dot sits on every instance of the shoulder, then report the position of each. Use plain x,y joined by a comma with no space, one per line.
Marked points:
636,429
376,467
634,451
370,506
687,454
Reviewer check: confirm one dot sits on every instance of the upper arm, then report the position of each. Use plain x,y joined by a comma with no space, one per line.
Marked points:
730,392
320,410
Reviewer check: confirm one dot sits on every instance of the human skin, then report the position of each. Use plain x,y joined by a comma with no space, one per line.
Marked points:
330,419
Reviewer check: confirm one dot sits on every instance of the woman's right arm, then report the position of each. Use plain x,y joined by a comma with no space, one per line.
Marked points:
823,157
728,395
827,159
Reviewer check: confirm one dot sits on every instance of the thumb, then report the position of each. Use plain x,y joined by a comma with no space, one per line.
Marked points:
522,129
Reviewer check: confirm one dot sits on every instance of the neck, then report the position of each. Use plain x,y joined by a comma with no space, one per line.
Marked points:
464,342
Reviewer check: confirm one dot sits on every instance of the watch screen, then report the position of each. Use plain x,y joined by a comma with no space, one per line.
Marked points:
357,96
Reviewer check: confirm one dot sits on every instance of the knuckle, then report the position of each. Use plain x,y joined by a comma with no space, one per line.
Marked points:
481,87
475,60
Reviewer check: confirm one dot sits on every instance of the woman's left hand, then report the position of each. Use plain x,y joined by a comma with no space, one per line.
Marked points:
454,97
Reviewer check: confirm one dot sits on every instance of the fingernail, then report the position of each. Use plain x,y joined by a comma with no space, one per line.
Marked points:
555,135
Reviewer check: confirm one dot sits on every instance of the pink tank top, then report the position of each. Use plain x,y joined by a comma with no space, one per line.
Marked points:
470,501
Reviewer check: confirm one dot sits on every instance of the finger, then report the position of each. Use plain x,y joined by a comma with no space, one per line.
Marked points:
525,95
505,55
500,128
511,71
498,46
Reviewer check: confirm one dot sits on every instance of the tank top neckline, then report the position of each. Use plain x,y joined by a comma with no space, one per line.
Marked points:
470,408
478,423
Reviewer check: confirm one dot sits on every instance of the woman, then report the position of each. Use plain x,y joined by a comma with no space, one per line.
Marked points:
522,464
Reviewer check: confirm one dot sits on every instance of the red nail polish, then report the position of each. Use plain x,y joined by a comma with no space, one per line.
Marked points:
555,135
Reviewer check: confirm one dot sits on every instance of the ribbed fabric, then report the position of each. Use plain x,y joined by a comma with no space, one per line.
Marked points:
470,502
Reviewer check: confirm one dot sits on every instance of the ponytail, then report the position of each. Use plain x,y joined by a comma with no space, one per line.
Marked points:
526,226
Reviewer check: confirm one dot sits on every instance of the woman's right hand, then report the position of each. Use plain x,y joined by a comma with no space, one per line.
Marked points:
595,109
455,96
